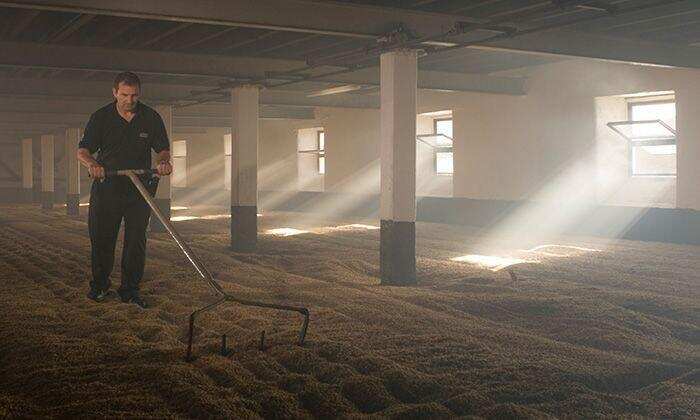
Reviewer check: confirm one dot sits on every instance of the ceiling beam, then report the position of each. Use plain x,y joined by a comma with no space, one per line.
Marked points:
583,45
285,44
353,20
668,27
248,41
201,40
51,121
473,5
333,18
221,67
42,119
23,23
152,93
116,33
70,28
314,51
420,3
175,29
633,15
440,80
145,62
276,15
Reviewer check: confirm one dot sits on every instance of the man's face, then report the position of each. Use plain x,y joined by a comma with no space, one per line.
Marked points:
127,97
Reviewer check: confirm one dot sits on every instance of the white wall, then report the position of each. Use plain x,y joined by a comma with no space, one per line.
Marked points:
548,145
277,155
205,158
495,148
352,149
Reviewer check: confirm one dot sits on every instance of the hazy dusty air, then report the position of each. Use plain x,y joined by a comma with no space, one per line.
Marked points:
304,209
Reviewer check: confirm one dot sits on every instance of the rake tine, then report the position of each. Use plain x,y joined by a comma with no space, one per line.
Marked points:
190,339
201,269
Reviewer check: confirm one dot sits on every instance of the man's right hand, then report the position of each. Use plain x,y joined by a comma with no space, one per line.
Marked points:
96,171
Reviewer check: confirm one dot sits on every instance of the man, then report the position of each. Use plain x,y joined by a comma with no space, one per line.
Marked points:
122,134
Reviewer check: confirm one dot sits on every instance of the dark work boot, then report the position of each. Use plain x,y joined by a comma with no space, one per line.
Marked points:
132,297
97,295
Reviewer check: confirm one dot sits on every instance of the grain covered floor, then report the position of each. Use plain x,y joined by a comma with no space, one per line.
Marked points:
608,333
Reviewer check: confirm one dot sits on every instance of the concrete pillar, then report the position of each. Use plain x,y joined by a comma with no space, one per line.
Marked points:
72,172
27,171
688,146
397,237
163,194
244,168
47,171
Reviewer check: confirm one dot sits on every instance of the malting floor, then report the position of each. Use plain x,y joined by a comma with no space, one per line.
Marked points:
607,328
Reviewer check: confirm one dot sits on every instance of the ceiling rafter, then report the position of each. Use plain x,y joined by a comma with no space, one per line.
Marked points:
126,27
69,28
24,22
175,29
203,39
285,44
474,6
654,18
248,41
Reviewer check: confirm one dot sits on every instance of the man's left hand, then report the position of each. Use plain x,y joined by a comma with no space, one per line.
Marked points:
164,168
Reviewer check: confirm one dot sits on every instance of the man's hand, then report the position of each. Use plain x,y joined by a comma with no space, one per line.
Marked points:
96,171
164,168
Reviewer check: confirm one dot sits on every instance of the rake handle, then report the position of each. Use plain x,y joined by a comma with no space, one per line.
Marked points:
126,172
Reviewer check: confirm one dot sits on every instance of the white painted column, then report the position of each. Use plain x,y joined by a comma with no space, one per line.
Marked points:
688,146
398,167
72,172
164,193
47,171
27,171
244,167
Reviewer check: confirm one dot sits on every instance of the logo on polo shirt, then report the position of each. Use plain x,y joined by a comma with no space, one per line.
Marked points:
143,135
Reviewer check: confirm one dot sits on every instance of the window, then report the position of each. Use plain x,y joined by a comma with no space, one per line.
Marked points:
443,150
652,139
443,126
443,163
321,152
179,177
227,162
312,149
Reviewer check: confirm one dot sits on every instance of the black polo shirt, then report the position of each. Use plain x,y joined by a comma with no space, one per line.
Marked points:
123,144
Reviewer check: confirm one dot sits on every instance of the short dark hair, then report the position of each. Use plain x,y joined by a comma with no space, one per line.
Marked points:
128,78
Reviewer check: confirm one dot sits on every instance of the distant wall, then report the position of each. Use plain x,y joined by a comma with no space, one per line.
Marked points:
549,146
352,149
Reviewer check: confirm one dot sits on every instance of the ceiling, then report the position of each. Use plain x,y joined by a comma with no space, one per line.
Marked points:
191,52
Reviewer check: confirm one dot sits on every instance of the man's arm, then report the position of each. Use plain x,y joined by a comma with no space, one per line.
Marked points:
94,168
163,163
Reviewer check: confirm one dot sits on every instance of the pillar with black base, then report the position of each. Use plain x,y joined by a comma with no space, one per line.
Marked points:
27,171
163,196
72,172
397,249
244,168
47,171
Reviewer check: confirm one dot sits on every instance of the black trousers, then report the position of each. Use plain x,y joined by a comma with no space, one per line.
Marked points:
111,201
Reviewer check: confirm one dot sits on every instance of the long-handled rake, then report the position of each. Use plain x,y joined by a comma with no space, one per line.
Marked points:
201,269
